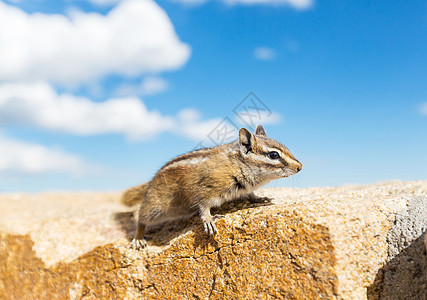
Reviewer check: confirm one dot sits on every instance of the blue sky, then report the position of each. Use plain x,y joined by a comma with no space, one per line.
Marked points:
98,94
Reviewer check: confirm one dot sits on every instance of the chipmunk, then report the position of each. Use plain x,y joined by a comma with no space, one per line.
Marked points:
194,182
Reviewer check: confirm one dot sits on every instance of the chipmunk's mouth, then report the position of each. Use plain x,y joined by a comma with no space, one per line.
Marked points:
287,173
291,171
292,168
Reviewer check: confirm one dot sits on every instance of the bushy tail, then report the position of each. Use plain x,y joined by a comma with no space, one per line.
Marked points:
134,195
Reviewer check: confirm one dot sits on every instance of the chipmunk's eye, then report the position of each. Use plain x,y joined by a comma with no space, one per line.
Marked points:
273,155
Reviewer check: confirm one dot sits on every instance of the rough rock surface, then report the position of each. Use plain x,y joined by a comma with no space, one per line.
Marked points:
352,242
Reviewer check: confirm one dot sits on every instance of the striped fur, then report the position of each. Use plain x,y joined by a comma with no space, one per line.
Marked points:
194,182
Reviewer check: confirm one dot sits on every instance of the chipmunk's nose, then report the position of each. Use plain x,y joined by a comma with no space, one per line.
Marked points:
294,165
298,166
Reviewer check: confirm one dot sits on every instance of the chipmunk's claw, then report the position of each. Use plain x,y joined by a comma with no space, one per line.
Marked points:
138,244
252,198
261,200
210,228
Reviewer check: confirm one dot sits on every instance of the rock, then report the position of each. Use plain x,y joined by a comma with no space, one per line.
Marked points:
352,242
404,276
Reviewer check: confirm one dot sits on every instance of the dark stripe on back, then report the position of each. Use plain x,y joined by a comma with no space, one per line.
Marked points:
200,153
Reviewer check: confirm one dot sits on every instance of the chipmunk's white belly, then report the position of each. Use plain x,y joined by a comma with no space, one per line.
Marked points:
217,201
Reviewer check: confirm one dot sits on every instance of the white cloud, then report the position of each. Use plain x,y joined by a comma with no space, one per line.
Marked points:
153,85
253,117
189,115
191,125
264,53
104,2
191,2
423,108
292,46
209,132
134,37
38,104
149,86
298,4
22,157
199,130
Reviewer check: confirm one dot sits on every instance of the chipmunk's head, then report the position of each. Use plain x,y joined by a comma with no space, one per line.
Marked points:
268,156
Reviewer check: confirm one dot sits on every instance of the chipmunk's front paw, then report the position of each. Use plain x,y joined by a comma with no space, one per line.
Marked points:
210,227
138,244
256,199
218,217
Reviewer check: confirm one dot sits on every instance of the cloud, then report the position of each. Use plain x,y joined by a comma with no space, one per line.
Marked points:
153,85
191,125
191,2
148,86
104,2
23,157
199,130
264,53
189,115
423,109
38,104
298,4
292,46
211,132
252,118
133,38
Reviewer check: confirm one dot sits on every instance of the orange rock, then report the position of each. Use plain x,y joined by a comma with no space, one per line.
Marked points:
317,243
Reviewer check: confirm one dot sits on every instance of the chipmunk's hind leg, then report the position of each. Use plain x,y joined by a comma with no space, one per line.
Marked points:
138,241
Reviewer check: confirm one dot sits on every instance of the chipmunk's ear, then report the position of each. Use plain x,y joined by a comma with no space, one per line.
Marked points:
260,131
246,140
